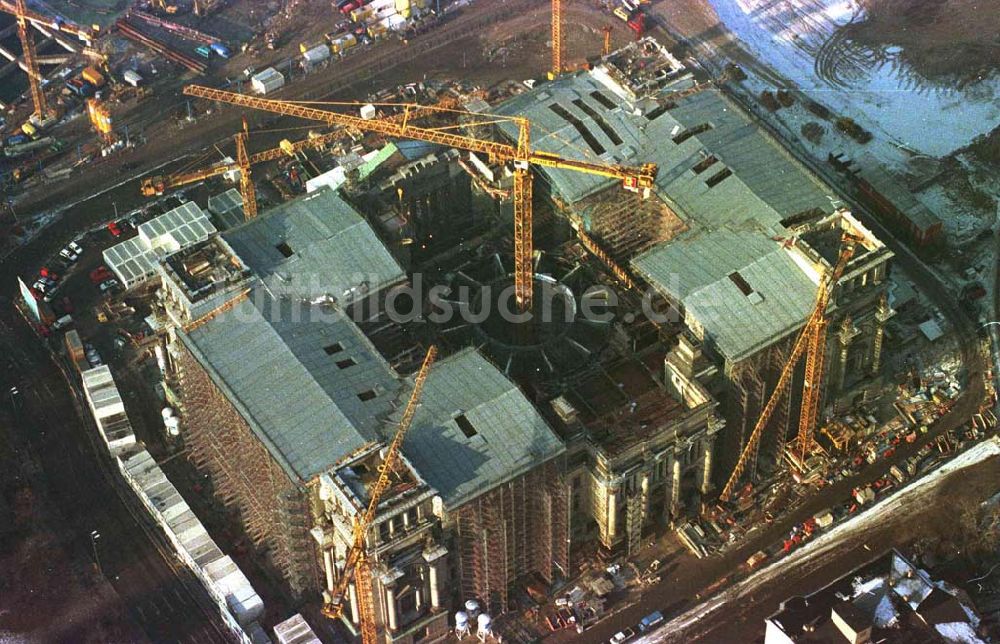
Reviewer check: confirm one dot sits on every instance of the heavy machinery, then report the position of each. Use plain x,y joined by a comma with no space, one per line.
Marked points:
811,341
636,179
357,565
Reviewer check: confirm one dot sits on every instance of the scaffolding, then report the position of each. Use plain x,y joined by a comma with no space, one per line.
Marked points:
273,510
515,529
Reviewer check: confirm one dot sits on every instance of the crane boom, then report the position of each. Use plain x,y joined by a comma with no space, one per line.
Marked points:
633,178
638,179
812,341
356,565
153,186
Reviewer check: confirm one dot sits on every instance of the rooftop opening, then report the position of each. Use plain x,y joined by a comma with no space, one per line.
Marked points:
603,99
718,177
347,362
284,249
466,426
659,111
601,123
741,283
705,164
368,394
334,348
562,113
694,131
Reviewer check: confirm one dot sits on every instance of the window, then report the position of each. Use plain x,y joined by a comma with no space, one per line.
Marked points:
718,177
704,164
334,348
741,283
466,426
285,249
347,362
687,134
367,395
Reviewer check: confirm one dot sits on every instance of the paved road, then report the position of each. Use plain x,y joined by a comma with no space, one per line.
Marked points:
160,593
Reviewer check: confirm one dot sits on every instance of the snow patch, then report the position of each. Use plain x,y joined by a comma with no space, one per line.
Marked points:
959,632
888,98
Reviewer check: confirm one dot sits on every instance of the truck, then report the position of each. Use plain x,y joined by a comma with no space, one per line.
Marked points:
204,51
74,346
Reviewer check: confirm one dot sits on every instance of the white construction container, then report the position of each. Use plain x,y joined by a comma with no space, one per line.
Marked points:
317,54
267,81
295,630
132,77
368,111
230,582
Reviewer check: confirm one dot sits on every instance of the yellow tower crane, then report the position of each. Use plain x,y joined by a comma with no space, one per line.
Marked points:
811,341
357,565
637,179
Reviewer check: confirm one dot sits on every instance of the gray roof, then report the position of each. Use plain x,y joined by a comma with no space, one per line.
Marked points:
732,206
271,358
510,436
767,185
333,251
276,358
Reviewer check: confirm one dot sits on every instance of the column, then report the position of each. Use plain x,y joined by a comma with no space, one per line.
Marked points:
435,558
882,315
846,336
352,592
706,467
390,608
328,567
645,497
675,488
612,522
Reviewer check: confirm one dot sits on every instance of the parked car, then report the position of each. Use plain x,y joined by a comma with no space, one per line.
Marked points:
650,621
75,247
110,285
68,255
100,274
114,229
623,635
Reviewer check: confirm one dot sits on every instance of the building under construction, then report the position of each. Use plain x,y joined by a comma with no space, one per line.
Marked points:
291,363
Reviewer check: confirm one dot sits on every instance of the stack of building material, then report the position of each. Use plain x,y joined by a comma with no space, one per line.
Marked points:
295,630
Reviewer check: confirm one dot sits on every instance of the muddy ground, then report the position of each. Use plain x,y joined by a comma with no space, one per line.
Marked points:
941,39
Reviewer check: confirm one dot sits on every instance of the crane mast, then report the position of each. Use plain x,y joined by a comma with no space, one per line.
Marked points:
357,565
31,62
811,341
637,179
557,63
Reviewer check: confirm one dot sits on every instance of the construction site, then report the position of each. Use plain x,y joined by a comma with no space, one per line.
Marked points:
466,359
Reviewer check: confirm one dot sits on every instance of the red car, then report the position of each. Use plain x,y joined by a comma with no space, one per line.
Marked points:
67,305
100,274
114,229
